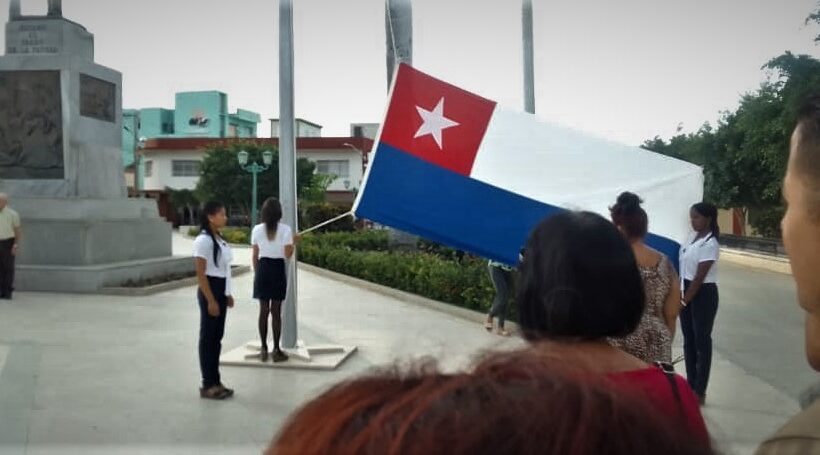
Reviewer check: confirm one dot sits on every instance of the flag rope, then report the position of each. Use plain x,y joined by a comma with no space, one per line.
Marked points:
325,223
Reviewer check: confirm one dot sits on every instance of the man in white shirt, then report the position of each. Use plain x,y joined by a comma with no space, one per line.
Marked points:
9,241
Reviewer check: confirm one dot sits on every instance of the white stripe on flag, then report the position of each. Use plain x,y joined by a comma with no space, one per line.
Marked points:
573,170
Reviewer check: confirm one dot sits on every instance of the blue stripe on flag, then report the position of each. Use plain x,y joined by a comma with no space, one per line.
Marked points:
415,196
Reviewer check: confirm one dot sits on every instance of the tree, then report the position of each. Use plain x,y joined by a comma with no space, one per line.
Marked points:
814,17
745,157
184,202
223,180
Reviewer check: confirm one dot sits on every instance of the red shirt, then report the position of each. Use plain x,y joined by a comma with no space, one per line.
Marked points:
654,385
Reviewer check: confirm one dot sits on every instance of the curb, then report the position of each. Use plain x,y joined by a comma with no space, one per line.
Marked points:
406,297
163,287
757,261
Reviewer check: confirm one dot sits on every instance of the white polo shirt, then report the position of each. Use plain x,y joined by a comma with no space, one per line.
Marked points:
274,249
204,248
693,252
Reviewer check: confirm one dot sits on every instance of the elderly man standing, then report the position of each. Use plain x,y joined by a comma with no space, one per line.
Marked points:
9,239
801,236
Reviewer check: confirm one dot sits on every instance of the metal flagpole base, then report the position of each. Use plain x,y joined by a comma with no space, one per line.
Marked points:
316,357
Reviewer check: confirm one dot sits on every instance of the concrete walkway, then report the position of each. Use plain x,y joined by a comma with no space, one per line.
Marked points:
97,374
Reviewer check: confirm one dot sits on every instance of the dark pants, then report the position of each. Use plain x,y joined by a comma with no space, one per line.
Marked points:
697,320
502,282
6,268
211,330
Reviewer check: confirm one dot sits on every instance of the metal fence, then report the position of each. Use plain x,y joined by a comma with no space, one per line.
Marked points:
754,244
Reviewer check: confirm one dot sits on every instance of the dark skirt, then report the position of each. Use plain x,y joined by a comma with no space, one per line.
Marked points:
270,282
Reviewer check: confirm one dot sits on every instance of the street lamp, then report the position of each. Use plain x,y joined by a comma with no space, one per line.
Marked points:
254,168
362,152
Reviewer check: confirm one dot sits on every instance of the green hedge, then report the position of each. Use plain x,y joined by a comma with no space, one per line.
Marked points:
364,255
311,214
237,235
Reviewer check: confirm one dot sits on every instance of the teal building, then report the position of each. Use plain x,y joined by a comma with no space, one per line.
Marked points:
195,115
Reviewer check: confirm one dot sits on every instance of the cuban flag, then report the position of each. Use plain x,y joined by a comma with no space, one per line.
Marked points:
453,167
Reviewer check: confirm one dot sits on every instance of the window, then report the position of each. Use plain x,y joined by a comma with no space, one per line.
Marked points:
357,131
232,131
149,168
339,168
187,168
167,128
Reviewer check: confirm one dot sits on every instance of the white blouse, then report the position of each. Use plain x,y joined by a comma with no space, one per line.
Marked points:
204,248
693,252
274,249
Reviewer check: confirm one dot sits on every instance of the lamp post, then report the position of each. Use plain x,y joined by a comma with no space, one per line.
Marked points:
254,168
361,152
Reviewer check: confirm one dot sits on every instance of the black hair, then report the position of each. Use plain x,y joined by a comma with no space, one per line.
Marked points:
628,215
271,215
708,210
209,209
580,280
808,154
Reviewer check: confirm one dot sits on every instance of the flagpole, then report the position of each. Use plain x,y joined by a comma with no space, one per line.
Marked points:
287,162
398,19
529,70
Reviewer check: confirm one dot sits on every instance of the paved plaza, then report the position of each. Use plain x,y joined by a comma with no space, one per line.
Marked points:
101,374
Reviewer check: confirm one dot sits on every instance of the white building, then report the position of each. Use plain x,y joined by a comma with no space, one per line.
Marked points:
175,162
368,130
303,128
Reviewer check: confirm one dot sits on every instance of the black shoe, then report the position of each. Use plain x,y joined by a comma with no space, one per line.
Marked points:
279,356
228,392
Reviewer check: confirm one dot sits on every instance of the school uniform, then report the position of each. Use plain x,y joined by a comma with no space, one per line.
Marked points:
270,281
212,328
698,317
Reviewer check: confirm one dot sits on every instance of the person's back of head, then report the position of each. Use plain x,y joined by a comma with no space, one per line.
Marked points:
801,223
511,403
579,280
629,216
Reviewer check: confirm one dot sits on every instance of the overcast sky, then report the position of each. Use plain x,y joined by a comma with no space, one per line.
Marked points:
627,70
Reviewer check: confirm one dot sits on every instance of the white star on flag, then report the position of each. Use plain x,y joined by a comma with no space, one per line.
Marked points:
434,122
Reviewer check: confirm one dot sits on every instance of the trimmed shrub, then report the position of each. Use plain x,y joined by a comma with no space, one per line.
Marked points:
464,282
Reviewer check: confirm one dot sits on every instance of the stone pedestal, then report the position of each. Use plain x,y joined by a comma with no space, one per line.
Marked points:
61,164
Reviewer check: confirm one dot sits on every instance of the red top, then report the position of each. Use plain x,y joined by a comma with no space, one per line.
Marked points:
654,385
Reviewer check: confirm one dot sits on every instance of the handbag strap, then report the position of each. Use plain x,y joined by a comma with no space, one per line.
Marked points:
669,372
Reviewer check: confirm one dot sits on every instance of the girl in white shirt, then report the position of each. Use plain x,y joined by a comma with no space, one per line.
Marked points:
213,257
272,246
698,269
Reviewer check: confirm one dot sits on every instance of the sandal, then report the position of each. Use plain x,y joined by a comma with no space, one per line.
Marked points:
264,354
213,393
488,326
503,332
279,356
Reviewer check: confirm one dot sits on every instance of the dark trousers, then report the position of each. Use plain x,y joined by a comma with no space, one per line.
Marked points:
697,320
211,330
502,282
6,268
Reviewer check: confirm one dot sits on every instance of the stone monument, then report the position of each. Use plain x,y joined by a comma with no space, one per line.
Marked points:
61,163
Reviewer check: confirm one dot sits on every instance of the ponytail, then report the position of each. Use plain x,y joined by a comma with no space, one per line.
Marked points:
271,215
211,208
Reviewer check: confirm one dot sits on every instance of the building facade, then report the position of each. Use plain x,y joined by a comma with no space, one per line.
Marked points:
195,115
303,128
176,162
